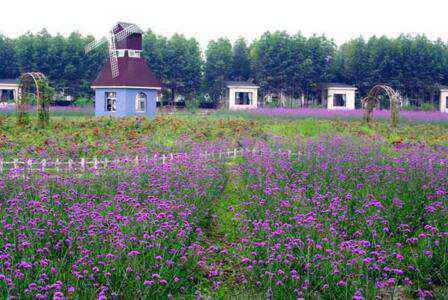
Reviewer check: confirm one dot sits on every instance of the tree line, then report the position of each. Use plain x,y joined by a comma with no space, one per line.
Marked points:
291,66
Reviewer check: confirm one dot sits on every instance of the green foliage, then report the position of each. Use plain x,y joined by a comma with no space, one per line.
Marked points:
192,104
218,67
176,61
241,69
41,94
428,106
84,102
61,59
415,66
8,66
423,107
43,110
291,65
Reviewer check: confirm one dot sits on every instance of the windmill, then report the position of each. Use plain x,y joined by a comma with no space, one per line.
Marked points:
120,32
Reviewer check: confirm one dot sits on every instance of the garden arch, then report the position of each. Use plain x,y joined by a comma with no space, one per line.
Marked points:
368,103
34,87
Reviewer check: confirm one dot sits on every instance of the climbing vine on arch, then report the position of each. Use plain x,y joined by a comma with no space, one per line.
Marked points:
34,89
373,100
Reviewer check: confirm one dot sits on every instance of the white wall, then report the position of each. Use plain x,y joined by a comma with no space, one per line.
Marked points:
349,97
443,96
245,89
13,87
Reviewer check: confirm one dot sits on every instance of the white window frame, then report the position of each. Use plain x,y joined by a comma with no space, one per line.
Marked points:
249,97
139,99
121,52
112,97
134,53
344,97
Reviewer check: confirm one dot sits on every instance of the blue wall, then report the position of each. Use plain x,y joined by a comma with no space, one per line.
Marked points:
125,102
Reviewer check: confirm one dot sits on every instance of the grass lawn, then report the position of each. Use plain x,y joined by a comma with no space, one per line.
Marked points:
326,207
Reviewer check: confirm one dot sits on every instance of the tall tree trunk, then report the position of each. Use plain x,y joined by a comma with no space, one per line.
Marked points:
173,97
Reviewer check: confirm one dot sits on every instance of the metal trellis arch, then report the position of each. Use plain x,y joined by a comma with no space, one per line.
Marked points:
31,87
368,103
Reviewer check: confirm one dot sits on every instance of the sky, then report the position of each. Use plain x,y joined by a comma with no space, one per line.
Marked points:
207,20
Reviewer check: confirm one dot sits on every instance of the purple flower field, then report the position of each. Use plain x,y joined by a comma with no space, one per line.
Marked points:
406,115
411,116
329,218
9,109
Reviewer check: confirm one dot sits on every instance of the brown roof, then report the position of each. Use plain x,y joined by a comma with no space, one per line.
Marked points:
134,72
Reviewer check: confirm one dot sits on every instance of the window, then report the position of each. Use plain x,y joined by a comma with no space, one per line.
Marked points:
446,102
111,101
120,53
134,53
339,100
243,98
140,102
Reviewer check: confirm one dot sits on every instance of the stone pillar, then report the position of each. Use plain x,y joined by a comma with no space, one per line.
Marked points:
16,94
330,99
443,100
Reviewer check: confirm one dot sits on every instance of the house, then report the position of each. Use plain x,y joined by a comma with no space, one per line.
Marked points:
241,95
126,85
9,90
339,96
444,99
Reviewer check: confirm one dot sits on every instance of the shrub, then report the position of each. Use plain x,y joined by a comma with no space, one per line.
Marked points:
83,102
427,107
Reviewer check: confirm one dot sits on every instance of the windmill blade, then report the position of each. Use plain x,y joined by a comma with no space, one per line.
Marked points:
113,56
92,45
127,31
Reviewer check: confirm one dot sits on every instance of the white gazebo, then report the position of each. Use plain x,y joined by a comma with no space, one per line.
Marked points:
242,95
9,90
444,99
339,96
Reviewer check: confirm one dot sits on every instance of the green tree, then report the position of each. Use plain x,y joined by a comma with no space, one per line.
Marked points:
352,65
183,66
272,62
155,50
8,64
241,69
321,53
218,67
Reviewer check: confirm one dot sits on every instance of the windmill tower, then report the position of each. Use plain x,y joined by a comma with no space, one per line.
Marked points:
125,85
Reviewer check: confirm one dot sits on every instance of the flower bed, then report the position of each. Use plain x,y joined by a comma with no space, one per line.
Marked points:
323,218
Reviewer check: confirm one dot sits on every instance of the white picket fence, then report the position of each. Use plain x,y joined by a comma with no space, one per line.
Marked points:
84,164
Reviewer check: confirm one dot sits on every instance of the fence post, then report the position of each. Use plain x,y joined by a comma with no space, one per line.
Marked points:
105,162
163,159
83,164
1,166
95,162
43,164
29,163
136,161
235,152
70,164
15,162
57,164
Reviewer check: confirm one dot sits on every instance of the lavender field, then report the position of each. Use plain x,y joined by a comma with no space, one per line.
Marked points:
308,208
411,116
